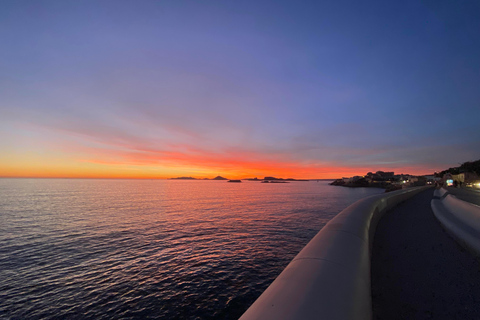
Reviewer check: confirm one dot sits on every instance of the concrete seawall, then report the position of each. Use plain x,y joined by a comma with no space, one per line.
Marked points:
330,277
459,218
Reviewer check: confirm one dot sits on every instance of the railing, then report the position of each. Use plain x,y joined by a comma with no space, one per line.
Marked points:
459,218
330,277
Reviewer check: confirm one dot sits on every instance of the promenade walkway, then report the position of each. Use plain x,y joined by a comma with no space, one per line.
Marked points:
418,271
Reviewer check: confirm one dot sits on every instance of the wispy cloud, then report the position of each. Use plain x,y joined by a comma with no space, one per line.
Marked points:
233,87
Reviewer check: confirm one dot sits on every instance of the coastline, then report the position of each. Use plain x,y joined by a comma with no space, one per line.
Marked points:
387,185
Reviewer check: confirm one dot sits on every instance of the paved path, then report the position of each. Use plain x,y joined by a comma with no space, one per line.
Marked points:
418,271
466,194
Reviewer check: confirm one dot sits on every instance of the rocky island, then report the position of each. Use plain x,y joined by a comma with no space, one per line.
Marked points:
192,178
184,178
274,180
265,179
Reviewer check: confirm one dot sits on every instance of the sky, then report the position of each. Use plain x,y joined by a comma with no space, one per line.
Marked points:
302,89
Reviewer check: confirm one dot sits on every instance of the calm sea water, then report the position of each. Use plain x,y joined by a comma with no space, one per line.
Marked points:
152,249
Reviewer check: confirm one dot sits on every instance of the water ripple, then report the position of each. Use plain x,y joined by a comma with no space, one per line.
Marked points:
132,249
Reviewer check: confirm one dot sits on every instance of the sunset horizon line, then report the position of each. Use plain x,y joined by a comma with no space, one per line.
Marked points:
195,177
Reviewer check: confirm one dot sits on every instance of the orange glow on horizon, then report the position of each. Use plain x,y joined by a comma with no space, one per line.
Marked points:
133,162
232,170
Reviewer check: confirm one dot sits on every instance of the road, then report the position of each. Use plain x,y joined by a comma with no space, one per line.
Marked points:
418,271
466,194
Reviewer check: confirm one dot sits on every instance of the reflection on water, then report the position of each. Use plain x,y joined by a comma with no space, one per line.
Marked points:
136,249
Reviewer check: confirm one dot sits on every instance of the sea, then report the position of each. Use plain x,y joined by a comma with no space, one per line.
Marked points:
152,249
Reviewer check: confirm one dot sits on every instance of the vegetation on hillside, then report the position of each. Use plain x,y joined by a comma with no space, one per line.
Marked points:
470,166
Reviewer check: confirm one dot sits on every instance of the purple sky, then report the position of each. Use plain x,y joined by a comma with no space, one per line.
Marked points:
347,84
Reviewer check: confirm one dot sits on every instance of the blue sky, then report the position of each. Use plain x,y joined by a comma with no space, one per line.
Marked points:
160,86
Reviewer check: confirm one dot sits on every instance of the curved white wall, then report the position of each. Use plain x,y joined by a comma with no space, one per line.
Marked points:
460,219
440,193
330,277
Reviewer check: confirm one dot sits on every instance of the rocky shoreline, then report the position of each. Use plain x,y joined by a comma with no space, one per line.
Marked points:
385,180
363,183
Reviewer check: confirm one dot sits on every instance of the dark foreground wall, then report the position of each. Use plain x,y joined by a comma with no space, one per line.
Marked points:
418,270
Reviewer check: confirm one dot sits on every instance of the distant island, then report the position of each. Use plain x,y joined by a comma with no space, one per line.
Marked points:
184,178
192,178
273,179
265,179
